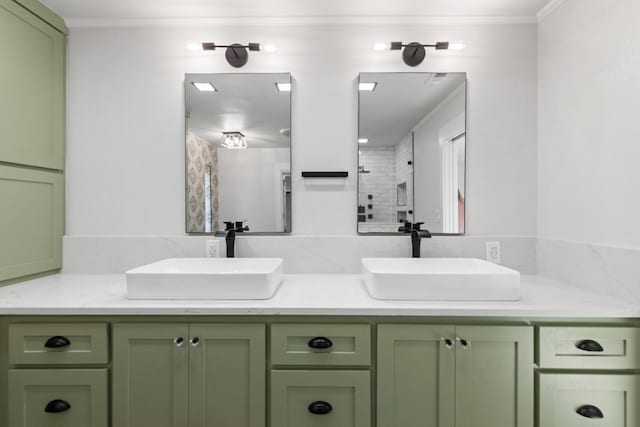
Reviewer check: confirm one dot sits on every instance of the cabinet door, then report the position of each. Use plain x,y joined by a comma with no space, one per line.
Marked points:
150,375
320,399
583,400
227,375
416,376
32,89
31,221
58,398
494,376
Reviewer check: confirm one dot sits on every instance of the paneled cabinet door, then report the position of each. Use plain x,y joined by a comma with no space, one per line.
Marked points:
494,376
227,375
416,373
31,221
150,375
32,89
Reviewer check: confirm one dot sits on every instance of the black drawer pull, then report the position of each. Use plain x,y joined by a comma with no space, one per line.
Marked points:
590,411
57,406
320,407
590,345
57,342
320,343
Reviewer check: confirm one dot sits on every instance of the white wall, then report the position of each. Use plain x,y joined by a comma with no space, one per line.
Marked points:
250,187
428,134
126,120
589,129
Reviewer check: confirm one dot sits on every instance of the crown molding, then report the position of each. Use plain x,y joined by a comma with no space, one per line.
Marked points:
548,9
303,21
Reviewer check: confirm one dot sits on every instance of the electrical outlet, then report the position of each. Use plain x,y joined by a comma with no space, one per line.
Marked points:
493,252
213,249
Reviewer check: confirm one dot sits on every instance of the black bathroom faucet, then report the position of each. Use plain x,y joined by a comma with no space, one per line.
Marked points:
416,236
230,237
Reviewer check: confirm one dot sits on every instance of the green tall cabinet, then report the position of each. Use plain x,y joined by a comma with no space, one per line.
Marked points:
32,134
196,375
455,376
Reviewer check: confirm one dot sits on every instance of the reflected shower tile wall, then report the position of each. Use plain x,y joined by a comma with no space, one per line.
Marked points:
404,171
380,182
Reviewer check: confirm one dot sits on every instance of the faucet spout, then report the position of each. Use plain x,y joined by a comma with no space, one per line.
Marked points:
417,234
231,229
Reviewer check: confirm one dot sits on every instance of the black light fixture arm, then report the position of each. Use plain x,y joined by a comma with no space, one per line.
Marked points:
253,47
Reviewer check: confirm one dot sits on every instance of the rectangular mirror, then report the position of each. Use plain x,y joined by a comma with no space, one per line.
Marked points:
411,151
238,152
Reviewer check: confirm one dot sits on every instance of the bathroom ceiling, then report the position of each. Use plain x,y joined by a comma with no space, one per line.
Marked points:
177,9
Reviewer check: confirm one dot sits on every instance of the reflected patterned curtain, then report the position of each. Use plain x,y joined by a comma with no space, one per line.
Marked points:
202,156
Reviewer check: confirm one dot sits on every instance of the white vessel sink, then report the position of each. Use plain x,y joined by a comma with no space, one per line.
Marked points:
444,279
206,278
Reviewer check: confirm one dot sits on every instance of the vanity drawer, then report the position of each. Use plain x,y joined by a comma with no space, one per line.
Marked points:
576,400
321,344
589,348
58,343
58,397
320,398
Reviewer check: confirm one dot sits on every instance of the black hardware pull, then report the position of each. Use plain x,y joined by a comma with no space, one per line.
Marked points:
590,345
320,407
57,406
590,411
320,343
57,342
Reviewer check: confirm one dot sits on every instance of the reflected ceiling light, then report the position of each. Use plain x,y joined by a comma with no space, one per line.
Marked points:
233,140
363,140
367,87
381,46
236,54
283,87
204,87
414,52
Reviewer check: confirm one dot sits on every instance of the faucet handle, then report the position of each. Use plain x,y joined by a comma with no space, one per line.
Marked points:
417,226
228,225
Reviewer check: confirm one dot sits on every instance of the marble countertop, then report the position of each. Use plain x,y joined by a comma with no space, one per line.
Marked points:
304,294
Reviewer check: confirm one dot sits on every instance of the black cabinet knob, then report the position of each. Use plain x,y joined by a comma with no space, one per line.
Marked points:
320,407
320,343
590,411
590,345
57,342
57,406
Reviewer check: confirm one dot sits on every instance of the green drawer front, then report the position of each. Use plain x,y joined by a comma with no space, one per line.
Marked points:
31,391
350,344
88,344
617,348
347,393
616,397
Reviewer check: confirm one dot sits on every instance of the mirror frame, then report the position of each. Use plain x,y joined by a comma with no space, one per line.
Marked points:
466,126
221,233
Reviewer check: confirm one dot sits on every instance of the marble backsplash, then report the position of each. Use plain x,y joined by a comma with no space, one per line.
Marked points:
301,254
605,269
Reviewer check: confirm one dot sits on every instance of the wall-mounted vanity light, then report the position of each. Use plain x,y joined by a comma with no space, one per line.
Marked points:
414,52
237,55
234,140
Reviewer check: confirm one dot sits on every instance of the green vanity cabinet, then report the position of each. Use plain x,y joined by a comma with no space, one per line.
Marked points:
196,375
462,376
